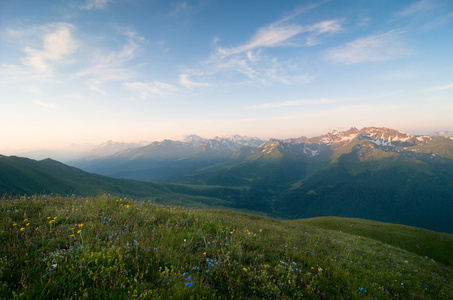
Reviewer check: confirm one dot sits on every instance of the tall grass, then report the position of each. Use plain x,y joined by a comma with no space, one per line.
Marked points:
116,248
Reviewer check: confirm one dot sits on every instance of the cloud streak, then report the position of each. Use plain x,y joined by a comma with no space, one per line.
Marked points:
95,4
114,65
443,87
151,89
279,35
291,103
374,48
187,83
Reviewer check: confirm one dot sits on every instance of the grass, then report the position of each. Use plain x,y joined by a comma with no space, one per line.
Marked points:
107,247
438,246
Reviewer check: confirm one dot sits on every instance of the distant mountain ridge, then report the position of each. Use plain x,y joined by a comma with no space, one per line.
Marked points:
168,160
375,173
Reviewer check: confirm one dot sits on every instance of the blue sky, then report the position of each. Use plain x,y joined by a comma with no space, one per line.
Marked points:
129,70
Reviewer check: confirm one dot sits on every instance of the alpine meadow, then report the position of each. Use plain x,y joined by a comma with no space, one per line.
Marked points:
213,149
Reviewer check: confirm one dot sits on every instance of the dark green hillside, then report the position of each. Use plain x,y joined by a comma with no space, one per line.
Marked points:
373,184
20,176
115,248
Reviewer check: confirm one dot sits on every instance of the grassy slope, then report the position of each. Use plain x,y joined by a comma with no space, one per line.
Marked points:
105,247
26,176
438,246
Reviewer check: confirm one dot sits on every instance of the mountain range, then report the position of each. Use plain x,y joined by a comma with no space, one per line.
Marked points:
374,173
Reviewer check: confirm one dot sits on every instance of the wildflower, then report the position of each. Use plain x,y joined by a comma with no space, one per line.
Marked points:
36,228
27,224
55,218
189,284
72,228
80,225
48,218
204,253
71,235
25,220
22,229
79,231
14,224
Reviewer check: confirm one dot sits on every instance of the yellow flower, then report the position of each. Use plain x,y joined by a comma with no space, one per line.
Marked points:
27,224
55,218
79,231
36,228
22,229
25,220
71,235
72,228
204,253
80,225
48,218
14,224
51,221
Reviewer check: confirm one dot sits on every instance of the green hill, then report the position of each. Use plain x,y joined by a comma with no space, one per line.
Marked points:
19,176
107,247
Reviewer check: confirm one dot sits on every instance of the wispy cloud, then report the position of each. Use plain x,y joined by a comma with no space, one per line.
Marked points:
442,87
180,8
95,4
279,35
291,103
375,48
113,65
431,13
56,45
418,7
258,65
97,90
44,104
151,89
44,48
187,83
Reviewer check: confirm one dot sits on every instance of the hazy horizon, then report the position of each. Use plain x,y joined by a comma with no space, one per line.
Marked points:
86,72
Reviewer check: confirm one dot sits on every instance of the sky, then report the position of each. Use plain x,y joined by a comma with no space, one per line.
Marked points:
84,72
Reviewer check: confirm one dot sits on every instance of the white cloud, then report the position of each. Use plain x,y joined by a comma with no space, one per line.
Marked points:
250,59
97,90
186,82
375,48
148,90
265,37
291,103
276,36
443,87
419,7
115,65
95,4
44,104
179,9
57,44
